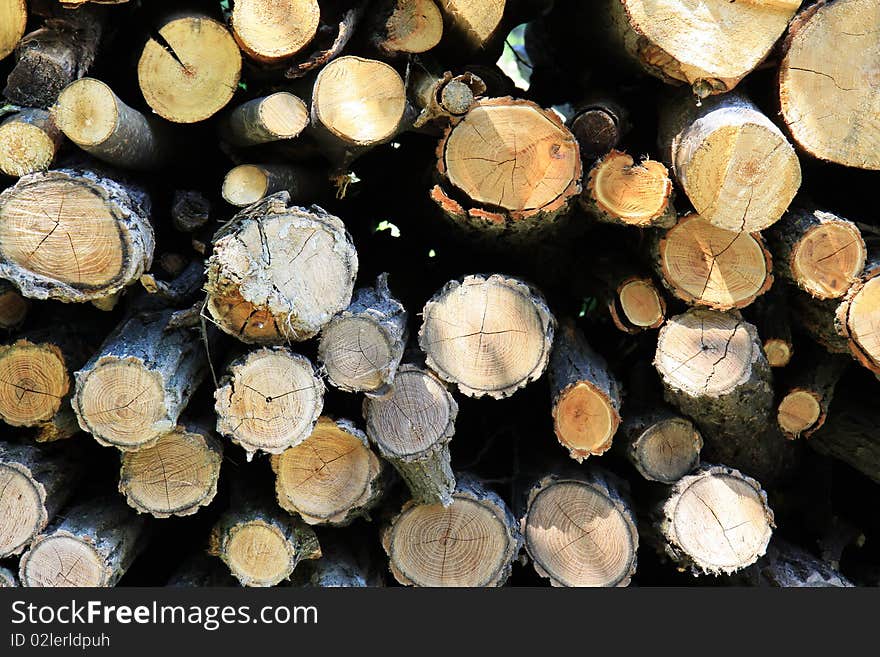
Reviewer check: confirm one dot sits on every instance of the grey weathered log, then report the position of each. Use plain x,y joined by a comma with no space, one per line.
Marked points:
91,545
412,427
7,578
788,566
58,273
260,545
142,355
54,55
37,481
379,317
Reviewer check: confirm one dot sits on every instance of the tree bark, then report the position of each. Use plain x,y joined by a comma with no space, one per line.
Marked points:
412,427
29,140
562,511
36,484
361,347
788,566
714,521
92,546
704,143
850,435
442,98
176,476
471,542
73,235
586,397
264,288
7,578
135,387
330,478
53,56
342,565
269,400
96,120
489,335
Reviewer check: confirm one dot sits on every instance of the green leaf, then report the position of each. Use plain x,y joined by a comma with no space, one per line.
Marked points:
387,225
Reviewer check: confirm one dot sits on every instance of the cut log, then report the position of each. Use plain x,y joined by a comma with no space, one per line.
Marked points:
828,84
176,476
662,445
512,163
586,398
856,318
489,335
271,31
135,387
260,545
412,427
440,98
36,383
809,389
715,521
770,315
96,120
788,566
622,192
248,183
7,578
189,70
580,531
53,56
734,164
29,140
362,346
190,210
13,18
705,265
269,400
471,542
634,302
710,48
598,126
408,26
35,482
714,371
13,307
73,235
357,103
280,272
330,478
92,546
476,22
266,119
819,252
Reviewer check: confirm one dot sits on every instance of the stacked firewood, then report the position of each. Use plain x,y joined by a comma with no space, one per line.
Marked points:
439,292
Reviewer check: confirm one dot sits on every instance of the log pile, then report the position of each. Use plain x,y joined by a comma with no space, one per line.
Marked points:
439,293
